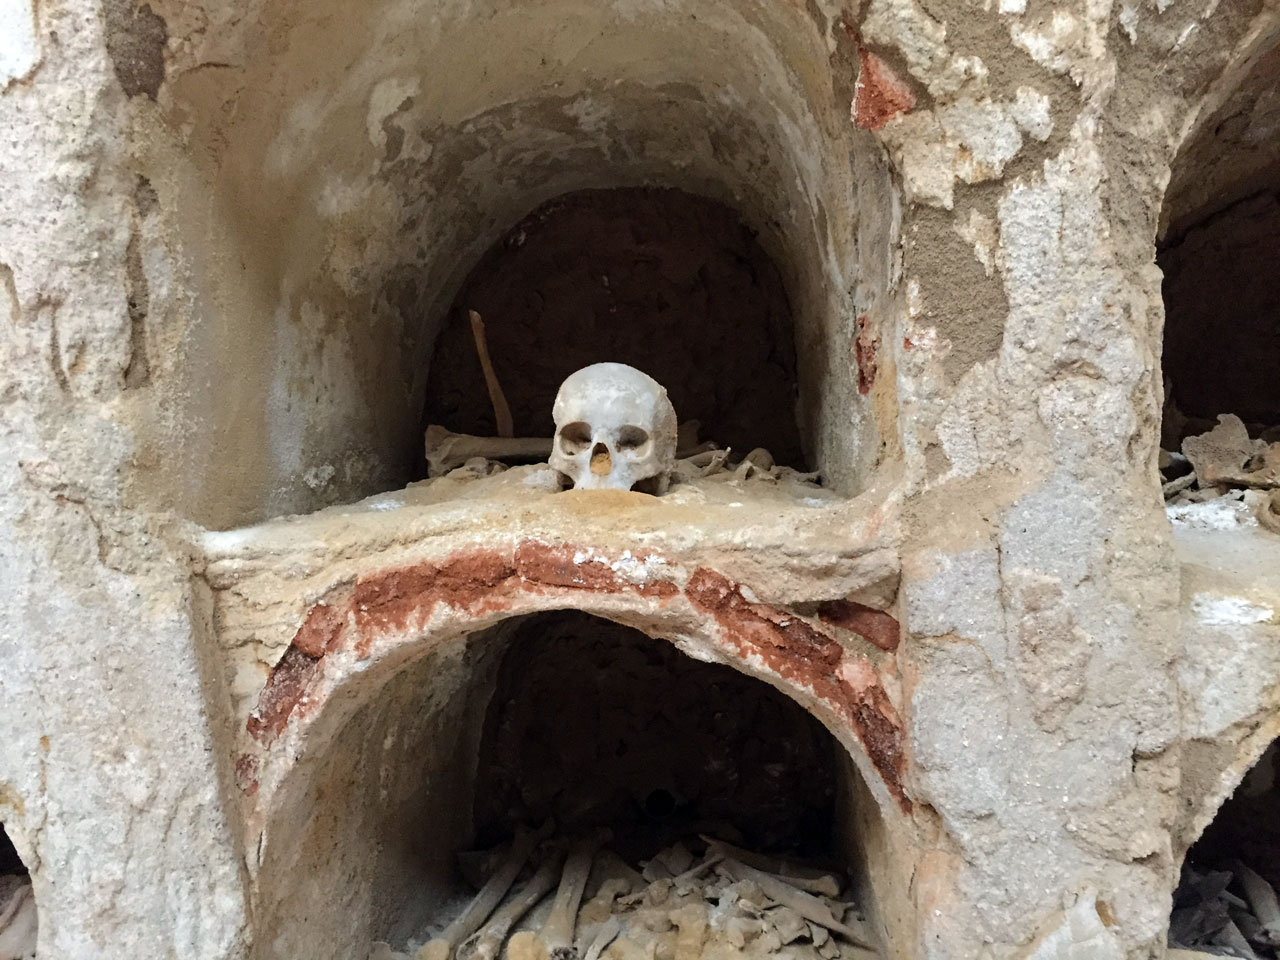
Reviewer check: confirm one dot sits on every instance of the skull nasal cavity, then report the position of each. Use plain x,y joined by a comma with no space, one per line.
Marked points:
601,462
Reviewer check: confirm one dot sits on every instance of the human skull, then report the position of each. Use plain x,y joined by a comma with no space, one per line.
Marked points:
615,428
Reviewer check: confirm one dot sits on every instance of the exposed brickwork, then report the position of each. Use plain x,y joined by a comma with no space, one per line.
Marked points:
487,581
798,652
875,626
879,94
864,349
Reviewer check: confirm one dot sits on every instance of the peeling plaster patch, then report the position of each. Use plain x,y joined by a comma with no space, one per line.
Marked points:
384,101
19,51
1078,933
956,594
969,140
1013,6
983,234
1129,20
1226,611
10,288
1030,110
136,40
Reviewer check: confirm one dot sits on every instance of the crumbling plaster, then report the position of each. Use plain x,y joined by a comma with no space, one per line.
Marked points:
1067,727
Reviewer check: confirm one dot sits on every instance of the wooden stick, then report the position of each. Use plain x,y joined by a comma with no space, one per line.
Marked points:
501,412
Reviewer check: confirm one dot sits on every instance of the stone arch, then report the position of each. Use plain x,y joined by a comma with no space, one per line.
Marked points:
427,663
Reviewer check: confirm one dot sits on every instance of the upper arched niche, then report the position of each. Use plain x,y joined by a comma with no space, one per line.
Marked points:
333,171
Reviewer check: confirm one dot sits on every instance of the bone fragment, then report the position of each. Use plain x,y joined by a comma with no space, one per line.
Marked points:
805,904
1231,937
691,922
487,943
501,412
607,933
526,945
490,895
381,951
717,462
789,924
557,932
682,882
446,449
806,878
600,907
1262,898
1228,456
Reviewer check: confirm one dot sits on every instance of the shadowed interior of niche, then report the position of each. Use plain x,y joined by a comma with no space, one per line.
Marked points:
18,920
595,724
673,284
1218,254
1225,901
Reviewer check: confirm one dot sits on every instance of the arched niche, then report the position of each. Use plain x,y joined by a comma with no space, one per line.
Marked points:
357,161
1217,252
1230,851
19,919
364,801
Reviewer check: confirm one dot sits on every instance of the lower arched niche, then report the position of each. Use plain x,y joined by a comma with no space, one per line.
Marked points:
575,721
1226,900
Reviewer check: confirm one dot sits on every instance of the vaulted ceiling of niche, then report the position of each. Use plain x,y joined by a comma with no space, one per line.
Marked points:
1233,151
361,157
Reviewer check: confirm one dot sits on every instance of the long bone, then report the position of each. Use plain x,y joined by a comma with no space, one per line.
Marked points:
487,943
806,904
806,878
446,450
557,932
607,933
490,895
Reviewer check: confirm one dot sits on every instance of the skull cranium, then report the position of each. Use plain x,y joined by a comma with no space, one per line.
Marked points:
615,428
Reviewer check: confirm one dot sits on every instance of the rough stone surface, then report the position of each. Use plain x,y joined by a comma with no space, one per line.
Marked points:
229,235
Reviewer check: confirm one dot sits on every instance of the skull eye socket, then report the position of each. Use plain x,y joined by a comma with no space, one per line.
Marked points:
631,439
575,437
